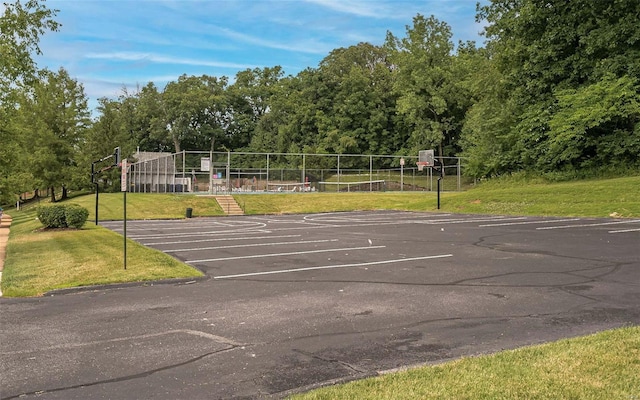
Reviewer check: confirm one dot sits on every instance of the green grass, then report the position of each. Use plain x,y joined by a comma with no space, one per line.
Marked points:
595,198
601,366
618,197
148,206
39,261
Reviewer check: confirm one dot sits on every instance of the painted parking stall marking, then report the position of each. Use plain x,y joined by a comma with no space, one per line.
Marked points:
284,254
237,246
365,264
588,225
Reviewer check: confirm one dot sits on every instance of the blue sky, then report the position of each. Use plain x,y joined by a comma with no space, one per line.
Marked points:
110,44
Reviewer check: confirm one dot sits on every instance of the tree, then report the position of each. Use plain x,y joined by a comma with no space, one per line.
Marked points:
56,118
424,83
112,129
359,118
552,51
195,111
21,26
250,99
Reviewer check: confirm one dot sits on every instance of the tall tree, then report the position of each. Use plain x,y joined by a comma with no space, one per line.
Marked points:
196,112
250,100
21,26
58,118
424,82
550,51
362,104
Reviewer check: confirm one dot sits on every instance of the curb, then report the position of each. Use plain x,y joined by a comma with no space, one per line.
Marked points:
5,222
124,285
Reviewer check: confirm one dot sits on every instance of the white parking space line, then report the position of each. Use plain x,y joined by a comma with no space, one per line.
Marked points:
198,234
294,253
530,222
253,225
236,246
587,225
625,230
222,239
284,271
466,220
369,218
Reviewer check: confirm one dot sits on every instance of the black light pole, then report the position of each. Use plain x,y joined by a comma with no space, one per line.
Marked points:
116,156
93,179
438,167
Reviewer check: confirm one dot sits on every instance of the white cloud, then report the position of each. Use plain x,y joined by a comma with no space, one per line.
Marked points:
362,8
154,58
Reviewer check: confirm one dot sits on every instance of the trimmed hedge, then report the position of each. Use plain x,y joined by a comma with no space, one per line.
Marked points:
63,216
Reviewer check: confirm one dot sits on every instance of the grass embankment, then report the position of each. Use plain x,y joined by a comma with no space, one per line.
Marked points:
601,366
148,206
38,261
593,198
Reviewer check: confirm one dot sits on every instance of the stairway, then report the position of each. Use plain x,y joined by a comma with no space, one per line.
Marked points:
229,205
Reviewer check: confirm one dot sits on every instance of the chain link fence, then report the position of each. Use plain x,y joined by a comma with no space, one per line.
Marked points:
229,172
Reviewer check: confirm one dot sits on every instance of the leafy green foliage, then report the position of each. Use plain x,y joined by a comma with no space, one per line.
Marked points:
21,26
62,216
52,216
554,90
567,75
424,83
75,216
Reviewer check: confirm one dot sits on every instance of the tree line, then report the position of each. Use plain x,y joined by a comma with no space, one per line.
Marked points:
554,87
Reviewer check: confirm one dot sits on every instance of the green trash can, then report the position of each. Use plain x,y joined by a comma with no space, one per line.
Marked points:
189,212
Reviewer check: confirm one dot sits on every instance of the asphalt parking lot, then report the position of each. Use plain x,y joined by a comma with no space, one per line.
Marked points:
296,301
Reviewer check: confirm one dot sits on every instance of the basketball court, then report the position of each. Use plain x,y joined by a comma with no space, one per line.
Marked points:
296,301
383,241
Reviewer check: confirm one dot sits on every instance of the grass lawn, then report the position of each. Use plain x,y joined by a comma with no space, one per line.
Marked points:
597,198
601,366
40,261
148,206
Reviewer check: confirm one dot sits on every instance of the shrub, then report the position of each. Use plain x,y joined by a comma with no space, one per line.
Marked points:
63,216
76,216
52,216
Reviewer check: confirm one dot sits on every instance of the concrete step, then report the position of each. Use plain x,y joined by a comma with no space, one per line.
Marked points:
229,205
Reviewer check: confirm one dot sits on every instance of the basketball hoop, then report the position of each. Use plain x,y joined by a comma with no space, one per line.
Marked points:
421,165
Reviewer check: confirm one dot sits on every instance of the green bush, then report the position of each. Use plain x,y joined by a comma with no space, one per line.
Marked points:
76,216
62,216
52,216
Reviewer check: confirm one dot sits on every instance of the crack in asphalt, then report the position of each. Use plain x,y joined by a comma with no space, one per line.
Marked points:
123,378
425,322
333,361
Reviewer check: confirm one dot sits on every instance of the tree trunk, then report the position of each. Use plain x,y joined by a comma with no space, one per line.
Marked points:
64,193
53,194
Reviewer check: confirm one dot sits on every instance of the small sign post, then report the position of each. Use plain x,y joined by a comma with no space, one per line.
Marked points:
123,188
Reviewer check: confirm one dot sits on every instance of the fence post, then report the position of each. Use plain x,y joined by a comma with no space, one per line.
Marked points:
210,172
228,172
459,182
183,168
370,173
